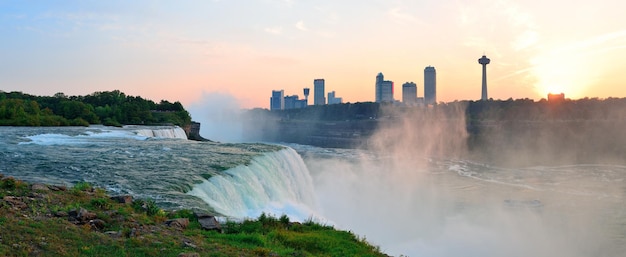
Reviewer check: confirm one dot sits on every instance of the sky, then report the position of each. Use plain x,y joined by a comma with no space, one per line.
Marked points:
193,50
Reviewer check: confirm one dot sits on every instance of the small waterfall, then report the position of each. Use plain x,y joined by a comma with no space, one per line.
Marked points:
277,183
162,132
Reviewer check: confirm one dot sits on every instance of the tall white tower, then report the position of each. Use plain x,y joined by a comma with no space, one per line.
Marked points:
484,61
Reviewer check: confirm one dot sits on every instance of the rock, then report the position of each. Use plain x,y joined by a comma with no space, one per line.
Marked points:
15,202
98,224
114,234
189,255
208,222
181,223
125,199
85,215
39,187
188,243
81,215
57,188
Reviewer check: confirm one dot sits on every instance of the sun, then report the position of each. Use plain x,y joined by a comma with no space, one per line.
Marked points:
561,74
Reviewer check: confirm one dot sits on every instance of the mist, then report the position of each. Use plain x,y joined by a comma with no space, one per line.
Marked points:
219,115
413,191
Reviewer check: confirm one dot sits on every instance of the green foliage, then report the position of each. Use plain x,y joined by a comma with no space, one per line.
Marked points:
148,206
100,203
184,214
82,186
112,108
10,183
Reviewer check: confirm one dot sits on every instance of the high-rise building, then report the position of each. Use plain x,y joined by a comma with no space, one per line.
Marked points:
277,101
430,85
384,89
318,92
332,99
409,93
291,101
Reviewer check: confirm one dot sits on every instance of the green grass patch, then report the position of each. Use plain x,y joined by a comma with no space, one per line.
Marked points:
38,229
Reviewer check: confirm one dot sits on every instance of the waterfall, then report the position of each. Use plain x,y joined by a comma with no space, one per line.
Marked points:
276,183
162,132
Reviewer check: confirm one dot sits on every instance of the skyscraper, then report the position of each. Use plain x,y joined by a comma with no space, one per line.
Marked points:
277,101
384,89
484,61
409,93
318,92
430,85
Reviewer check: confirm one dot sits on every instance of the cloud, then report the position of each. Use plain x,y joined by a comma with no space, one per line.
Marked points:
274,30
398,16
300,26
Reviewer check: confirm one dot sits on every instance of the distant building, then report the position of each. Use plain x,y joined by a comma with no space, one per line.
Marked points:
556,97
318,90
430,85
306,96
384,89
332,99
277,101
484,61
290,101
409,93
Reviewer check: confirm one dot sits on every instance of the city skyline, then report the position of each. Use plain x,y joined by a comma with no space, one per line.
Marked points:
191,51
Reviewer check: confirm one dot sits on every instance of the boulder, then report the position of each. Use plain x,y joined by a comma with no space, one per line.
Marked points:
57,188
181,223
208,222
125,199
81,215
39,187
97,224
15,202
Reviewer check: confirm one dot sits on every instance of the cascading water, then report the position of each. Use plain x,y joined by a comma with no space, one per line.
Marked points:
170,132
276,183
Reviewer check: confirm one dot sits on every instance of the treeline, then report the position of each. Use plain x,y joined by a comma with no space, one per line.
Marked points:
474,111
111,108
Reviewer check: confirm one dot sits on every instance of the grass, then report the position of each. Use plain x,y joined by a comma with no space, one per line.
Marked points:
37,227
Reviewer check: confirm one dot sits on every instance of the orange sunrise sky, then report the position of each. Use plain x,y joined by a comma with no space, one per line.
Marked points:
189,51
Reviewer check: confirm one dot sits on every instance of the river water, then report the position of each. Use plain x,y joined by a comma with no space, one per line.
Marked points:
407,205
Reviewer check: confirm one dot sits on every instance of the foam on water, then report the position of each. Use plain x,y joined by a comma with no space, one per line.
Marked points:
173,132
276,183
129,132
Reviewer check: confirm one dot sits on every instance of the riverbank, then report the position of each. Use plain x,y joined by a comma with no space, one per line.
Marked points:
49,220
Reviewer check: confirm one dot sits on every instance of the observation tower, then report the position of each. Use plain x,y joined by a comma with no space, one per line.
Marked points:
484,61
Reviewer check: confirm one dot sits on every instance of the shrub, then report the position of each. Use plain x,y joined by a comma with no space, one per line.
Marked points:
82,186
101,203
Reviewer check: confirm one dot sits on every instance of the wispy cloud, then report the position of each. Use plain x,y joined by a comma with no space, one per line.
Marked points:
399,16
300,26
274,30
